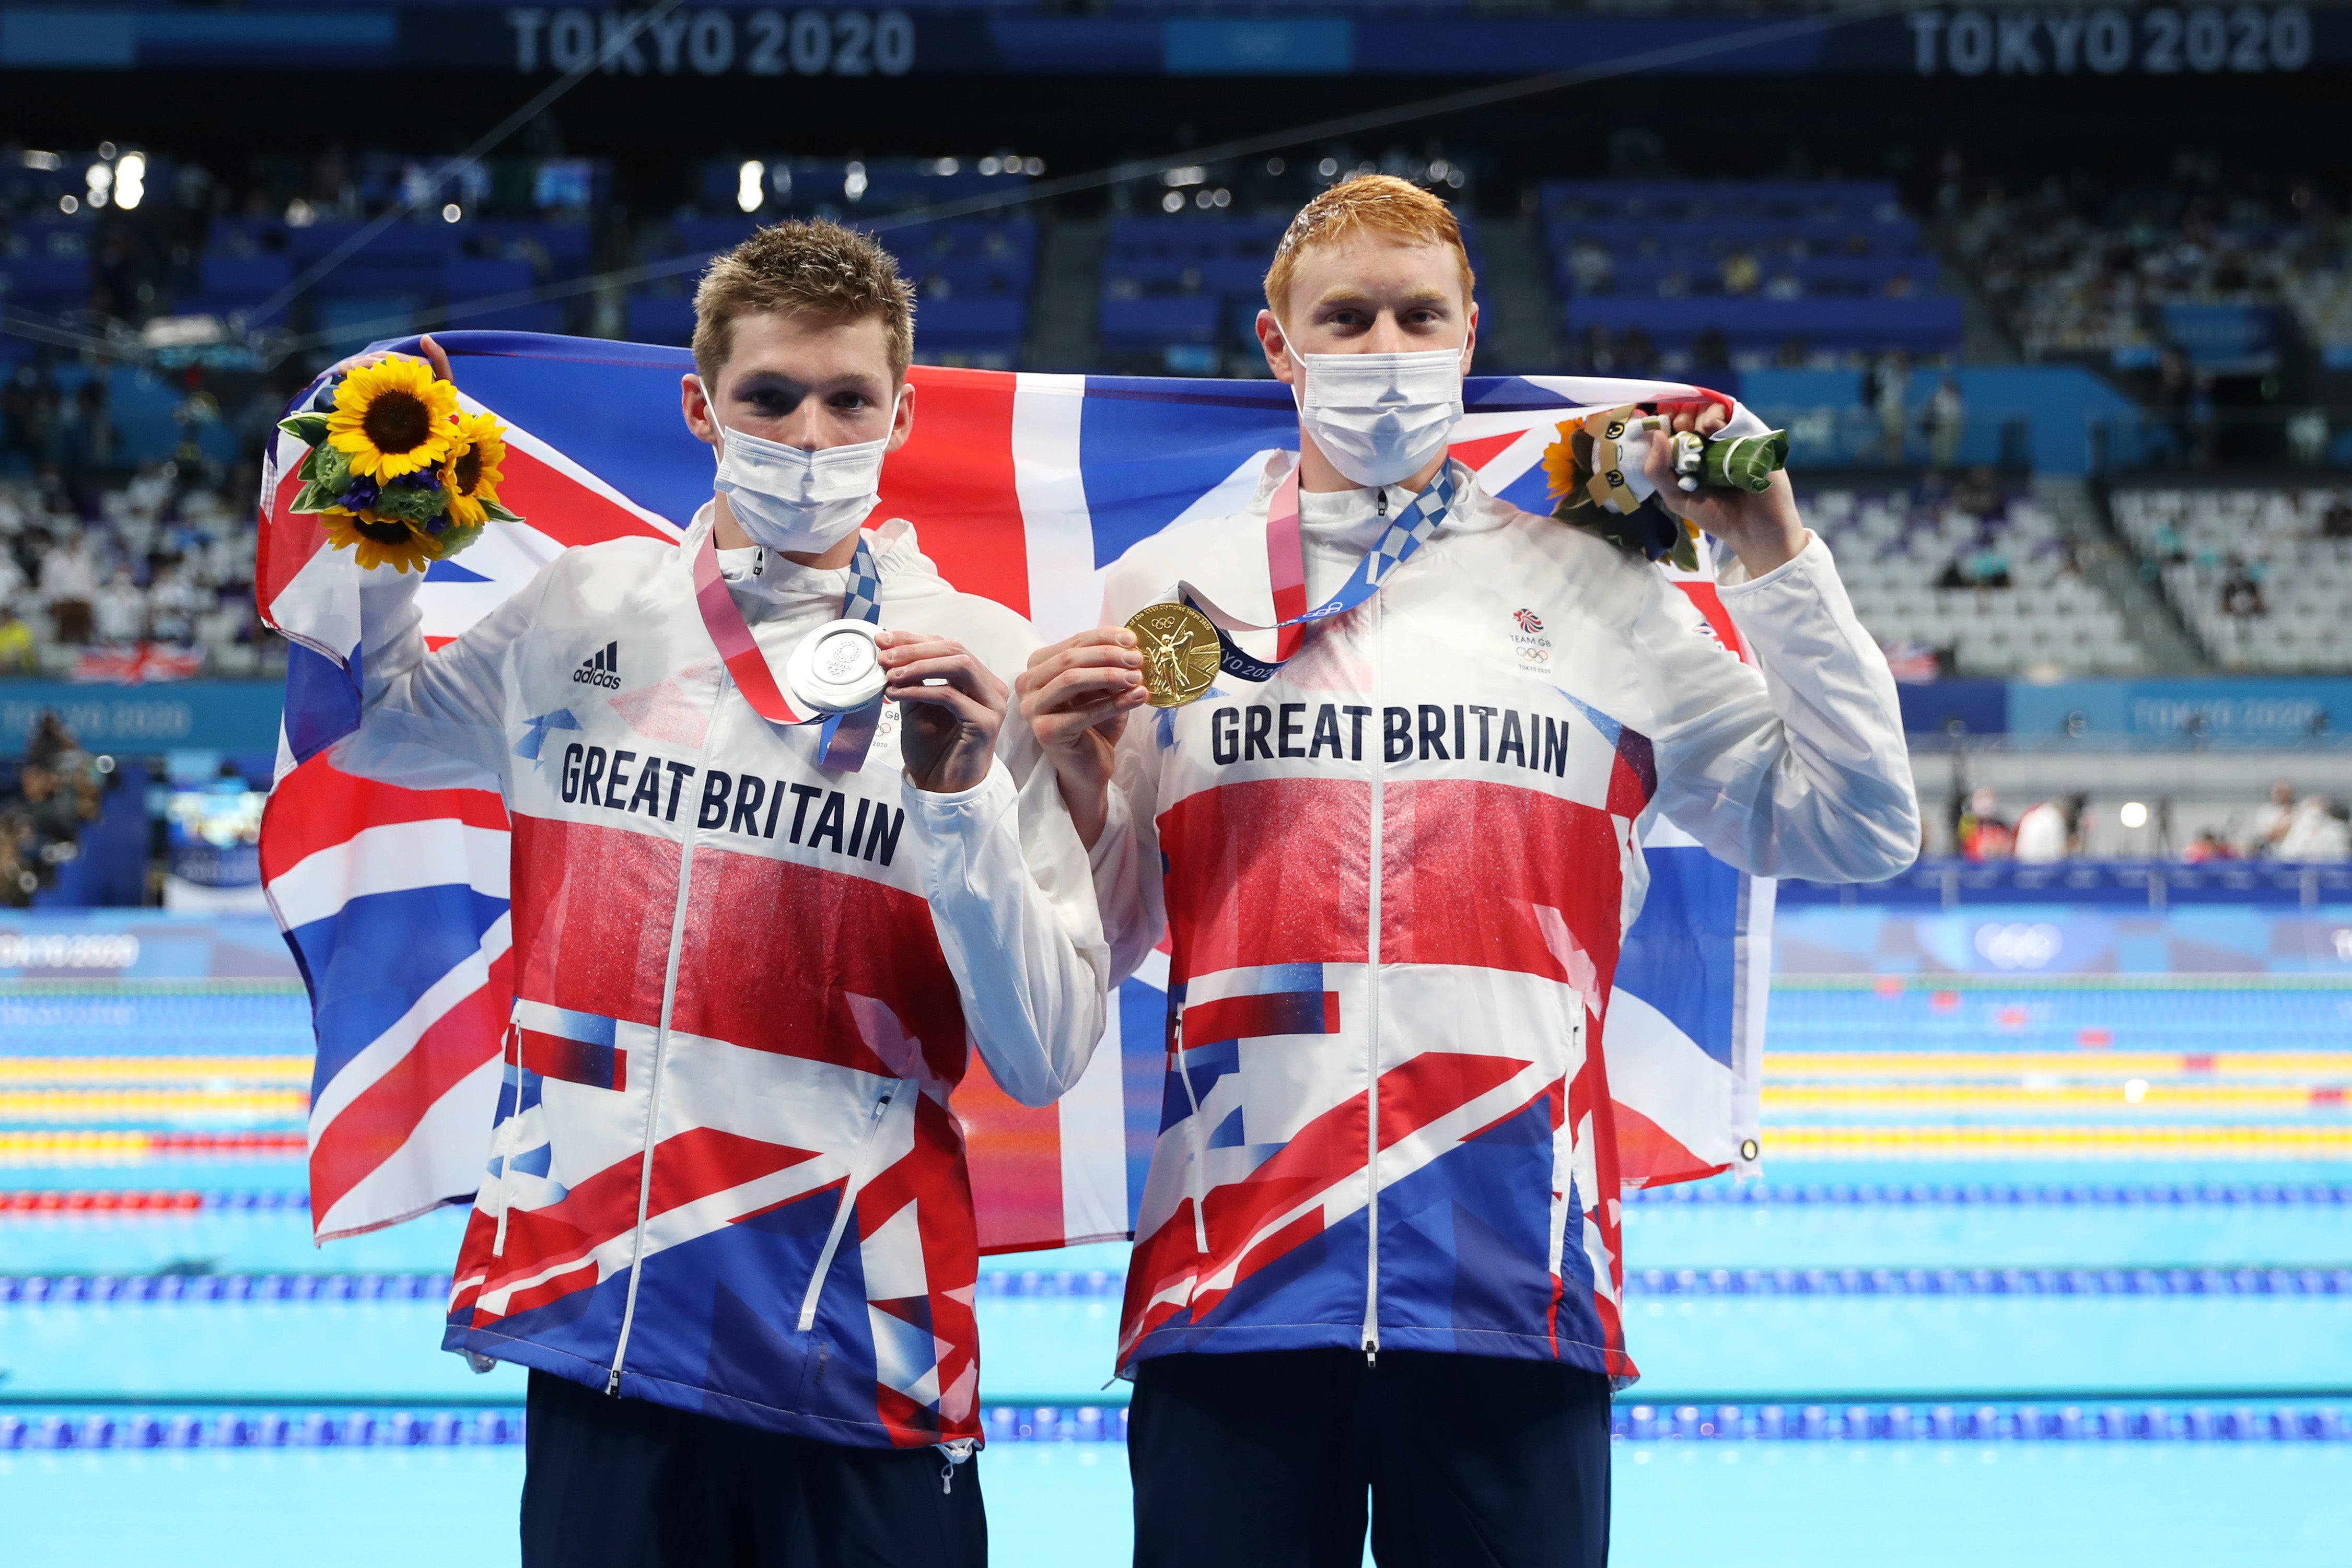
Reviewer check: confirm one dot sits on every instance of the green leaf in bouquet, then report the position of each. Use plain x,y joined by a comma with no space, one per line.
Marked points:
314,496
497,514
311,429
451,539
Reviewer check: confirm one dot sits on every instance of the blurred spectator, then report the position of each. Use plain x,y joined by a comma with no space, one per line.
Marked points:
69,584
2272,818
52,743
2208,845
1947,418
19,654
1886,388
2336,524
119,613
1979,832
2241,590
2051,832
2317,831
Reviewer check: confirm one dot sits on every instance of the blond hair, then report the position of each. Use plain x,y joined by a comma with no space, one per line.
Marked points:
815,269
1381,202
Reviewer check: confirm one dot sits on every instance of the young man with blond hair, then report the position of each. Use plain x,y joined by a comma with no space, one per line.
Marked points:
728,1224
1394,848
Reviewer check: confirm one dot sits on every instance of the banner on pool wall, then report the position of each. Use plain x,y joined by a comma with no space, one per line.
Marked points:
2024,940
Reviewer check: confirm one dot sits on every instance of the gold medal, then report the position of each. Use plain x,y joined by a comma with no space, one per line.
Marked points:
1181,653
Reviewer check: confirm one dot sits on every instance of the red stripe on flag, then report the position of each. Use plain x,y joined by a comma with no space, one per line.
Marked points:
1710,604
375,1126
1476,454
563,508
288,542
1649,1156
954,482
318,806
1014,1154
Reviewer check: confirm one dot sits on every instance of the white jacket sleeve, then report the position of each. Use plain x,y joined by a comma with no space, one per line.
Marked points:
433,720
1125,857
1013,904
1795,766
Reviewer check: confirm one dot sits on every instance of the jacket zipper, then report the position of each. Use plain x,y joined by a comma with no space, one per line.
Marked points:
849,1190
1372,1023
661,1044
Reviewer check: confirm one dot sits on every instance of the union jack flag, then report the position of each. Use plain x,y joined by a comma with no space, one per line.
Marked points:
1024,487
135,664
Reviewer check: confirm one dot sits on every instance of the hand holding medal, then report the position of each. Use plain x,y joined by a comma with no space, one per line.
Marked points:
1075,696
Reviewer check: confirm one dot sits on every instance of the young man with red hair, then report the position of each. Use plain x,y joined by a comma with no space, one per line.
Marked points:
1395,846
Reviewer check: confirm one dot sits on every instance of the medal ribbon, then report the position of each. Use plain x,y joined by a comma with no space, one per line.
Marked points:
1285,560
846,736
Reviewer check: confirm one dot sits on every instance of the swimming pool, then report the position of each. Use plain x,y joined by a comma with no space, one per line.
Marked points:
2041,1273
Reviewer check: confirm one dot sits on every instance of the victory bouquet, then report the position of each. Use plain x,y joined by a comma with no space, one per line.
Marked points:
1596,472
400,473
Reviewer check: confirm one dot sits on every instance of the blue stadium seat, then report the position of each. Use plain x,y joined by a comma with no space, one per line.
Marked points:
1921,324
547,316
354,322
475,277
660,319
1155,323
971,321
229,276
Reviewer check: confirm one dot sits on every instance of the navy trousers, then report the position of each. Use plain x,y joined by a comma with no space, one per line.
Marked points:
1271,1457
621,1483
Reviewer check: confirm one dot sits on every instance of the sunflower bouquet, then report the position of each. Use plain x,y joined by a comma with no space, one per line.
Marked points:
400,473
1592,471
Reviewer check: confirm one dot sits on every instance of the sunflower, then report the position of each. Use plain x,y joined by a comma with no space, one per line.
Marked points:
393,418
1564,476
377,541
472,477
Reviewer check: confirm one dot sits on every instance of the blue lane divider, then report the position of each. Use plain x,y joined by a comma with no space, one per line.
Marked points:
1982,1423
100,1290
2075,1193
1990,1282
266,1429
2137,1422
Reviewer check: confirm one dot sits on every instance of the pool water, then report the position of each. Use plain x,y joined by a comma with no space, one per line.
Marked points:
2039,1273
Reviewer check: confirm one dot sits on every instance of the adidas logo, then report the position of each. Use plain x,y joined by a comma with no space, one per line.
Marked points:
601,668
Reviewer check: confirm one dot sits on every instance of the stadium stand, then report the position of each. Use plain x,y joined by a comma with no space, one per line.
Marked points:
972,280
1975,581
2260,576
2199,265
1711,274
1181,294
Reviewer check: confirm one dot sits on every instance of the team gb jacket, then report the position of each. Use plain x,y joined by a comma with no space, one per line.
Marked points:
1394,879
725,1176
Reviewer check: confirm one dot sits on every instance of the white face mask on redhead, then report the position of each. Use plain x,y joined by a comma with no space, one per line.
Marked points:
1379,417
791,500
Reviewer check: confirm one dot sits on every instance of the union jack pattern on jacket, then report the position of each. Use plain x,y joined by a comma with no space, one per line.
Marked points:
1396,880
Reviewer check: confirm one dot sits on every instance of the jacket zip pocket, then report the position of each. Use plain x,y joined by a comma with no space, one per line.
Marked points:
1200,1182
503,1145
849,1190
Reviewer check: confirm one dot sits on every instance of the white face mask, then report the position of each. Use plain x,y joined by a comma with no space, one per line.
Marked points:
1379,417
788,500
